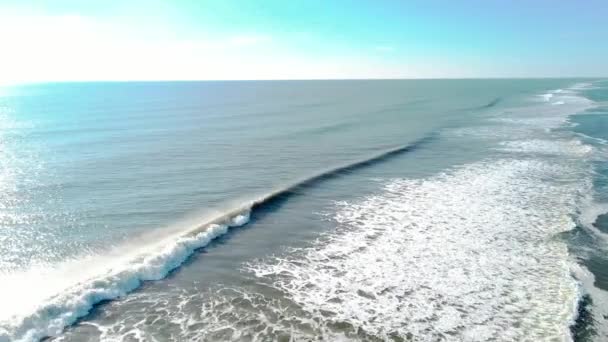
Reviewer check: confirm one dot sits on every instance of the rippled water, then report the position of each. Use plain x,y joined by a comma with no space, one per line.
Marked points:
332,210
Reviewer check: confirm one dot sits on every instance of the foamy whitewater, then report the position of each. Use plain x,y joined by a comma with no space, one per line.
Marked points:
355,210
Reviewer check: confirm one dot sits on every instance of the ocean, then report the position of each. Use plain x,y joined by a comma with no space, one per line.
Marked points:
346,210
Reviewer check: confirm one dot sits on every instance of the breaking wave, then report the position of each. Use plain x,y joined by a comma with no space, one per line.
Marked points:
50,317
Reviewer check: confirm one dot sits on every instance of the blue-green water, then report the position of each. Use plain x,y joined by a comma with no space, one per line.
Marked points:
336,210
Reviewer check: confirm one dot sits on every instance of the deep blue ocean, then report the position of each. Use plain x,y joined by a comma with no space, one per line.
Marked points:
393,210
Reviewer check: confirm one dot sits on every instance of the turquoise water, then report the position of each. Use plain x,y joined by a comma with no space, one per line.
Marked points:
371,210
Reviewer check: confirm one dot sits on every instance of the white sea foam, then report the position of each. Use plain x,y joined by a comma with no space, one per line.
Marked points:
547,97
567,148
586,137
467,255
590,213
599,305
581,86
51,316
530,120
565,96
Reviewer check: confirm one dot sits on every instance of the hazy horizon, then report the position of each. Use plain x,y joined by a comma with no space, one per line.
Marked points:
590,78
244,40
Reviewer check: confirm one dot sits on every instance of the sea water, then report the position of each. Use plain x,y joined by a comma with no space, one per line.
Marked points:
304,210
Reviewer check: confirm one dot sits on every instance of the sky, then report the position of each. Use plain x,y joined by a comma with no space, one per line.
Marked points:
67,40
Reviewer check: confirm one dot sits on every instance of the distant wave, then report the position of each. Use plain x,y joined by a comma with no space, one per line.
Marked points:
490,104
52,316
340,170
334,172
487,105
395,107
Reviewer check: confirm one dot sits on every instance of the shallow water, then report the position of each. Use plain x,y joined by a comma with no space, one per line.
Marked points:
333,210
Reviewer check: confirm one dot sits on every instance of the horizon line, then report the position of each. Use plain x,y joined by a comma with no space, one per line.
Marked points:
304,79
